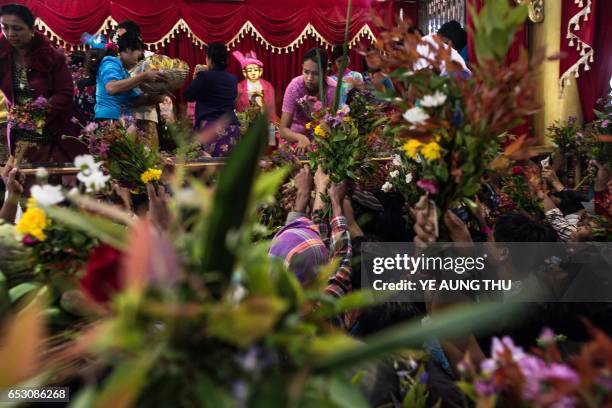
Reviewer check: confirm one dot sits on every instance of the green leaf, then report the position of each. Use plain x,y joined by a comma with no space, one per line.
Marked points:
84,399
271,392
248,322
344,394
92,225
416,397
125,383
231,201
268,184
5,297
208,394
353,301
456,321
19,291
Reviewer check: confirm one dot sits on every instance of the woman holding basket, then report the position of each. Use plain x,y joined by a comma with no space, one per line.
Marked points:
116,92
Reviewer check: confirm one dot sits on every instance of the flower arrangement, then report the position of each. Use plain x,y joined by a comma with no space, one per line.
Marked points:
402,176
366,110
566,135
517,195
340,149
598,134
248,116
448,118
29,117
515,377
53,247
124,153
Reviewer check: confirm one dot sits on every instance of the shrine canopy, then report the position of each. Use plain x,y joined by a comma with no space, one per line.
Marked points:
280,25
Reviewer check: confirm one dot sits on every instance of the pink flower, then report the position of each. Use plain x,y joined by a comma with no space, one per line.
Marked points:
103,150
40,103
317,106
547,336
29,240
91,127
428,185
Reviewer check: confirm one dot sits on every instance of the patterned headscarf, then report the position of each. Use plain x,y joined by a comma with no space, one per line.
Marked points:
300,247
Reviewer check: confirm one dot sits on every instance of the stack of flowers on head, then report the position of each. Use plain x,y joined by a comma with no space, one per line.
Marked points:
124,152
340,149
447,117
30,117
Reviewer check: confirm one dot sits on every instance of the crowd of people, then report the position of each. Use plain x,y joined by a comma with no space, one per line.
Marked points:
315,230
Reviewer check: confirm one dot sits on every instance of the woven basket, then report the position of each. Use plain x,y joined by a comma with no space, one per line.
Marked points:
175,80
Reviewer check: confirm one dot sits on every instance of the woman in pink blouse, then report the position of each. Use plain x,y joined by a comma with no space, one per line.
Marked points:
294,119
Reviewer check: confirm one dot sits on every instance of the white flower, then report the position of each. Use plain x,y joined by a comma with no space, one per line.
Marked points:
87,164
47,195
394,173
42,173
73,192
431,101
387,187
416,115
95,182
397,160
409,178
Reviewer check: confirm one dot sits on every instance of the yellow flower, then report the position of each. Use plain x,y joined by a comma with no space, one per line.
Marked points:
308,125
320,131
412,147
431,151
150,175
33,222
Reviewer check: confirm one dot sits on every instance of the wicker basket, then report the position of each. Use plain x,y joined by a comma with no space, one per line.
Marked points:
175,80
175,71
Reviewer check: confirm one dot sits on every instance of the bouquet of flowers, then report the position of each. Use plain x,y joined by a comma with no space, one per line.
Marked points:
124,153
565,134
403,174
449,119
516,377
366,110
598,134
29,117
53,247
517,195
248,116
341,150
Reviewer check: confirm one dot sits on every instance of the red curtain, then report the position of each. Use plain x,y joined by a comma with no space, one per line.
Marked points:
592,33
280,22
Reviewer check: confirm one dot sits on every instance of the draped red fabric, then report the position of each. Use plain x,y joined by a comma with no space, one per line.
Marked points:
595,31
280,22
